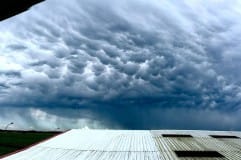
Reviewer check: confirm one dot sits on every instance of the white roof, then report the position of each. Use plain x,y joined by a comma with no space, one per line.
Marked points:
85,144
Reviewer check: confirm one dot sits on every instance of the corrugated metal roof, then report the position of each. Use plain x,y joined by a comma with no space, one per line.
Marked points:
130,145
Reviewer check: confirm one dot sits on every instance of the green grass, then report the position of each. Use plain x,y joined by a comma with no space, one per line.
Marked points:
11,141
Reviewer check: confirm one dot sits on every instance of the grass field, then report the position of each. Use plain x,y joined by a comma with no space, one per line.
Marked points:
11,141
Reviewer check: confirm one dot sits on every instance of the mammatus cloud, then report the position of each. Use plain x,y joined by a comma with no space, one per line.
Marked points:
129,64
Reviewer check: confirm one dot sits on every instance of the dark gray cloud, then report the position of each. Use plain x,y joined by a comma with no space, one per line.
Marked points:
120,63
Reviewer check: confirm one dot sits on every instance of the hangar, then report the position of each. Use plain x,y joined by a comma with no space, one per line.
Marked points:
87,144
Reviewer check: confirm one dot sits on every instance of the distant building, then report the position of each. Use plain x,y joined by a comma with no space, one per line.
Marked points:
88,144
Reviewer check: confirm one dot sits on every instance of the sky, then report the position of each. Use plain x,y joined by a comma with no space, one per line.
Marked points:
129,64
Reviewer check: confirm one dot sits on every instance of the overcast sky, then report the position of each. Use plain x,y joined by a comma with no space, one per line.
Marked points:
129,64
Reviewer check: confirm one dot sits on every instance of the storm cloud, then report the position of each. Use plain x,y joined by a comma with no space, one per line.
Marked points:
131,64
